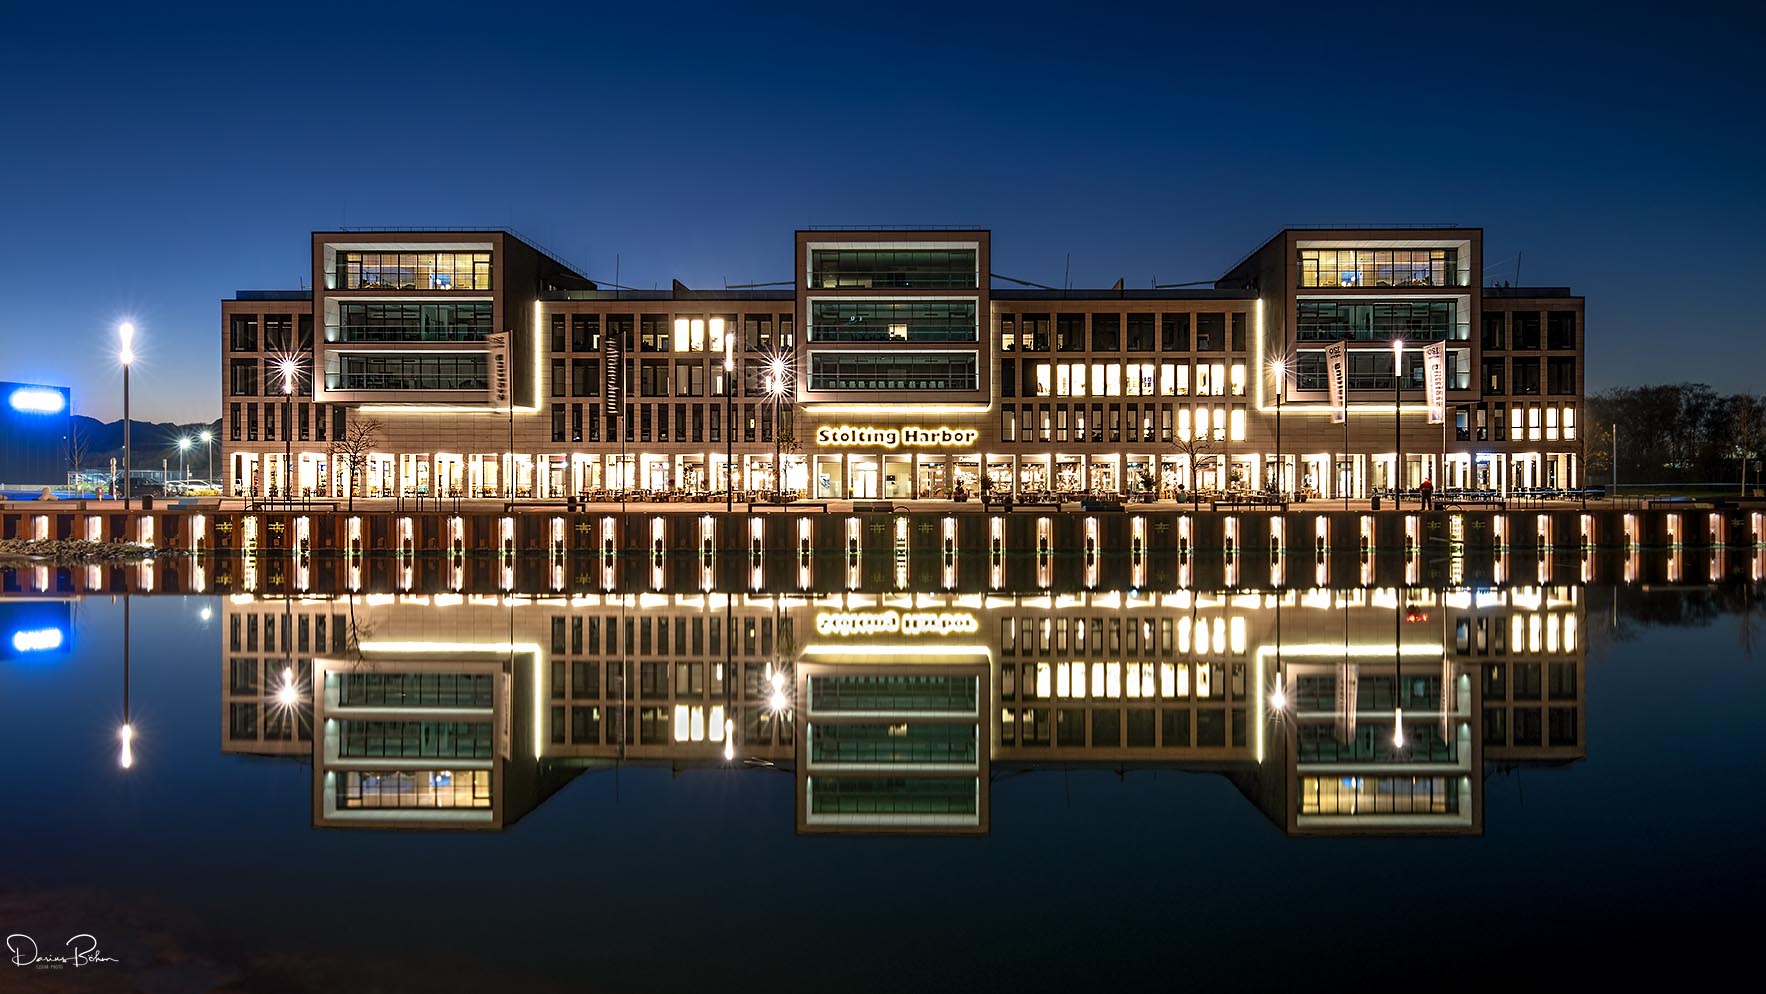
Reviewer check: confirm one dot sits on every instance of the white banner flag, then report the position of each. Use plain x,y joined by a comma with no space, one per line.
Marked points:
1335,361
498,386
1435,381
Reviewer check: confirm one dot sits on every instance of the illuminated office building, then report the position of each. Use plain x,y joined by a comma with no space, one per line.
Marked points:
898,366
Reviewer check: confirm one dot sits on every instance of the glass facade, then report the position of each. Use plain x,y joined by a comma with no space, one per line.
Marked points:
450,371
892,795
412,271
408,690
1417,321
909,371
367,321
414,789
414,739
893,321
1353,267
908,742
895,269
893,692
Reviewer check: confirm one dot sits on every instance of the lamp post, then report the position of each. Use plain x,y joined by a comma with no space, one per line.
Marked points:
289,366
208,438
777,383
183,447
1280,368
126,332
1397,419
729,420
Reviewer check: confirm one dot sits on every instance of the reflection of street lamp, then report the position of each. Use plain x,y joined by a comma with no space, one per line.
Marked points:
126,734
126,332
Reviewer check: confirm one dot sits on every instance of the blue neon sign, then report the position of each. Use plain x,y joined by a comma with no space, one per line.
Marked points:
38,639
38,400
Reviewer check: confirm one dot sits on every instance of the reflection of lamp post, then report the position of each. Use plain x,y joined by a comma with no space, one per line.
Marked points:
126,332
126,734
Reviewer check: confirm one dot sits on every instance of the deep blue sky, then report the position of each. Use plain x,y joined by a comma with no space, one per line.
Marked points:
156,159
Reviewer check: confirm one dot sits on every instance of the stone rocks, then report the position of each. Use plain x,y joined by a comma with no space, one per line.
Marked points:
79,550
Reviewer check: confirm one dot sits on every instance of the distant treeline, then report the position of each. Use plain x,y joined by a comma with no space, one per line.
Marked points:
1675,433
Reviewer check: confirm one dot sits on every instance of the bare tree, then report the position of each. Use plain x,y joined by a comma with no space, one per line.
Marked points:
1746,426
360,438
77,446
1199,450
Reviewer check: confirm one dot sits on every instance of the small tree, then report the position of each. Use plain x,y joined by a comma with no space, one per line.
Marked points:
1746,425
1200,449
360,438
77,446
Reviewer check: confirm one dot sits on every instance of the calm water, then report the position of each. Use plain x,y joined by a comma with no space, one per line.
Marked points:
1084,847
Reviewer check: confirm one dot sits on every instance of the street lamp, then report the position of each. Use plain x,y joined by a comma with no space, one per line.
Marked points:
183,447
729,418
288,365
126,355
778,379
1397,418
208,438
1279,367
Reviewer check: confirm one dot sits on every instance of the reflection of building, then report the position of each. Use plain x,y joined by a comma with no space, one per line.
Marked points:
907,374
909,704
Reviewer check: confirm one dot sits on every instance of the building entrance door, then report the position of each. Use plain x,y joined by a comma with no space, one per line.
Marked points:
864,478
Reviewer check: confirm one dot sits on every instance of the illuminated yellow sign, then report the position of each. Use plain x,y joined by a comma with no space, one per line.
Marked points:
889,438
848,624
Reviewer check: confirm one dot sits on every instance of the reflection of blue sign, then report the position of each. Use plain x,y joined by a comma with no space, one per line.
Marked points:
38,400
32,629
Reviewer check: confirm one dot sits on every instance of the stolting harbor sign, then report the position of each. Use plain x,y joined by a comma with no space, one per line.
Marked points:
848,436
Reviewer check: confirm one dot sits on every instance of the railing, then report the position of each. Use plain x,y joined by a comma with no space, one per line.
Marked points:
843,333
360,333
891,280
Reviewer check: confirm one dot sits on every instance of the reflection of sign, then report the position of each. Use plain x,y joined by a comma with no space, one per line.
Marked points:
848,624
1435,381
1335,359
499,361
889,438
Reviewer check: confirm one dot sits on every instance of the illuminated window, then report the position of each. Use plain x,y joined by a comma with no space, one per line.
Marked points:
1551,423
1238,424
1203,380
1063,386
1113,380
1042,379
1078,379
1569,422
1217,379
1515,419
1238,379
1533,422
1220,424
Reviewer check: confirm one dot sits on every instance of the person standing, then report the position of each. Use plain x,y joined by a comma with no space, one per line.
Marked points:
1428,492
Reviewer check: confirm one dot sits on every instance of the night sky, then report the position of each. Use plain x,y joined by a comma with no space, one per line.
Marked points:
156,159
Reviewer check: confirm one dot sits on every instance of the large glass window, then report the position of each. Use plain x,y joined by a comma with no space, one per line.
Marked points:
243,336
920,269
1333,320
1560,329
413,271
415,739
1561,373
369,321
897,371
893,321
414,789
1380,267
450,371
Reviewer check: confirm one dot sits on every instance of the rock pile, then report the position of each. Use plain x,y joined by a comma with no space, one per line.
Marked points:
71,550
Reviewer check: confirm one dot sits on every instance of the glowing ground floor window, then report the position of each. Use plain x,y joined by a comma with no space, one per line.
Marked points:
414,789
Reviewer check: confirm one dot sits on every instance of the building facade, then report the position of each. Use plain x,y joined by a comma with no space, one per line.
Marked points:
472,364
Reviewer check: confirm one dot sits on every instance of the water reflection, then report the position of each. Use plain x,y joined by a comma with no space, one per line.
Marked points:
1375,710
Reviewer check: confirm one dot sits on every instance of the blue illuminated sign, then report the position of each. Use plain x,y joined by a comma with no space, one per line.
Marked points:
38,400
36,629
38,639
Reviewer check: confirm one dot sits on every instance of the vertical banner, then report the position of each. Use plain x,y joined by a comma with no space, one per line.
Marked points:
498,384
1335,361
1435,381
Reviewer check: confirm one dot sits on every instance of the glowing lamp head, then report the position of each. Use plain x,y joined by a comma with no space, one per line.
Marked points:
207,437
289,368
184,443
777,702
1398,728
126,735
1278,697
126,335
286,695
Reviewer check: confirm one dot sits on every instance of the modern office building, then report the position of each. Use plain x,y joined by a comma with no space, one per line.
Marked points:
898,366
